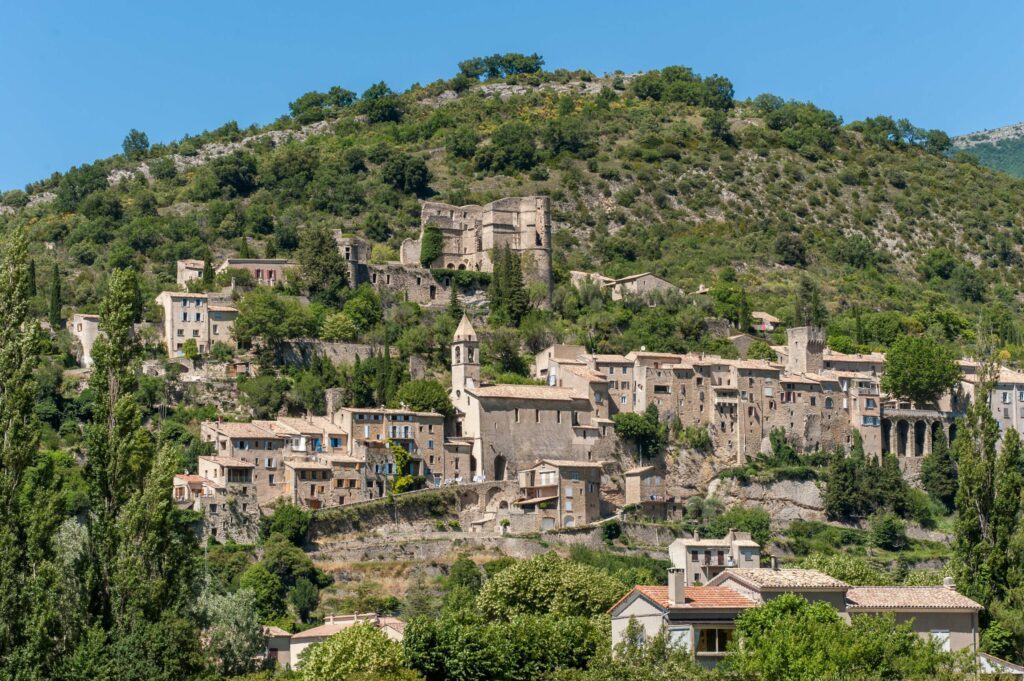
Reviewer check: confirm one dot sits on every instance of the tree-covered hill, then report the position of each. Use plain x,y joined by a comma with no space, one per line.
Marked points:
1001,149
662,171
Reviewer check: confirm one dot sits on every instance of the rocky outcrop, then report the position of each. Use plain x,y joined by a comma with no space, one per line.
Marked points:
785,500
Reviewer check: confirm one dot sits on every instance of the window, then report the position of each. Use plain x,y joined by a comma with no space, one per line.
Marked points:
870,403
568,506
430,444
941,636
1006,397
195,333
828,402
270,479
517,416
181,333
622,400
568,492
713,641
215,328
199,316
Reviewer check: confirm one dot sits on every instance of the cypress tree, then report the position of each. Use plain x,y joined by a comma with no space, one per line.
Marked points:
454,306
55,299
938,472
208,275
31,278
518,298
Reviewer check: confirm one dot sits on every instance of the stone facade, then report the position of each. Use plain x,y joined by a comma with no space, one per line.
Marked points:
188,270
85,328
470,234
557,494
197,316
264,271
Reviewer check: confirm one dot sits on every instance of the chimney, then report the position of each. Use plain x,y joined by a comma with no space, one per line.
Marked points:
676,586
949,583
775,563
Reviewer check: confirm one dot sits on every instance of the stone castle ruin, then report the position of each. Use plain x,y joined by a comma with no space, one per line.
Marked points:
469,236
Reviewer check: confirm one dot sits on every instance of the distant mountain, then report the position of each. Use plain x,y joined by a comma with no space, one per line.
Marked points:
1000,149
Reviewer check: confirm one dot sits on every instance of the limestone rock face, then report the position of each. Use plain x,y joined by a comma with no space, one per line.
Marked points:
785,501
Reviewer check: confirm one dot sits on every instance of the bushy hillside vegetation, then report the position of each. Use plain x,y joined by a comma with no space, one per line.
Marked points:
1006,155
663,171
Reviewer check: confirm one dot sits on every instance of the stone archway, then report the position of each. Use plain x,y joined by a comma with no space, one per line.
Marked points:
500,464
920,427
902,437
886,435
952,433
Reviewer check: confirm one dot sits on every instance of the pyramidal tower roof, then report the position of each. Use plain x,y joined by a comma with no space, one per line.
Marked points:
465,330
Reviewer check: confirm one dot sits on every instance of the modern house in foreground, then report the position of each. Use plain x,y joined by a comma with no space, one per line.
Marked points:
703,618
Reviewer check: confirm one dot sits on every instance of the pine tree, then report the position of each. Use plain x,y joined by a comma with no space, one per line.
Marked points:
938,472
55,298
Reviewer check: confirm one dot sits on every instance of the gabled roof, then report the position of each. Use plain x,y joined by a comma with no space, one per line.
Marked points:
524,392
569,463
233,429
870,598
764,578
697,598
465,330
764,316
227,462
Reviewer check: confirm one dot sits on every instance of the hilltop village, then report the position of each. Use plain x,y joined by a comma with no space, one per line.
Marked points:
522,443
518,374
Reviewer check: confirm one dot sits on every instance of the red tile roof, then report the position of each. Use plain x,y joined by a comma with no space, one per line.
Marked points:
860,598
697,598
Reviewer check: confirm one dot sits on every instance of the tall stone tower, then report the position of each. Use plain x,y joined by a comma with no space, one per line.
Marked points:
804,348
465,358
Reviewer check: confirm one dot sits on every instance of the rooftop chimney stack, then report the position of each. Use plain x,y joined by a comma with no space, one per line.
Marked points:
949,583
676,586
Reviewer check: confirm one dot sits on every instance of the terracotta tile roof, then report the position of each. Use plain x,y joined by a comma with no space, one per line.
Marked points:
619,359
781,579
697,598
275,631
390,412
764,316
525,392
222,308
307,465
583,372
639,471
227,462
337,623
231,429
570,463
907,598
191,479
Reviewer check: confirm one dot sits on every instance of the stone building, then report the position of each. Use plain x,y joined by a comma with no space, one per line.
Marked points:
85,328
470,234
509,426
264,271
195,316
703,559
701,619
189,270
644,284
556,494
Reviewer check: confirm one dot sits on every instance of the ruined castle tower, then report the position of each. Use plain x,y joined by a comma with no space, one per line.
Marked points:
470,234
465,357
804,348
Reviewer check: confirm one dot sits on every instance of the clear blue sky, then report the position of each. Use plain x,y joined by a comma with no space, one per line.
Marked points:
76,76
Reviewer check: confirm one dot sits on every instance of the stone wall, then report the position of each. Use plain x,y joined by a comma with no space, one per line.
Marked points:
300,351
